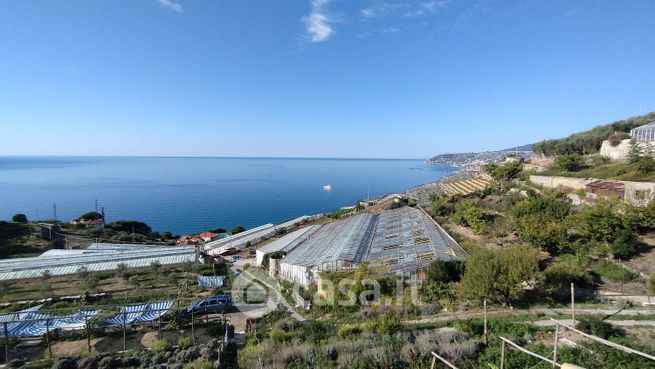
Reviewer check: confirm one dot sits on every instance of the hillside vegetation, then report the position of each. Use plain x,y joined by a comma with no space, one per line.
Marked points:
589,141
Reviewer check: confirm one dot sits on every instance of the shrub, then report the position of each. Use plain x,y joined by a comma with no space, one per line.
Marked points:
542,230
651,283
599,222
641,158
237,229
503,172
161,345
613,272
616,138
546,205
569,162
384,324
216,330
156,266
446,271
500,275
91,283
121,271
19,218
185,342
349,330
467,214
624,245
200,364
597,327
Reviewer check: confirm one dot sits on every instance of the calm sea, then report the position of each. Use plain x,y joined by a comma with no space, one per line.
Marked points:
184,195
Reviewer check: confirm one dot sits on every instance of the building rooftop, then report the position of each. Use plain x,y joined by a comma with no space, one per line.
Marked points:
402,239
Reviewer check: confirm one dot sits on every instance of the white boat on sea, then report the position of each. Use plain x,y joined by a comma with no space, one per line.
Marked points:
327,188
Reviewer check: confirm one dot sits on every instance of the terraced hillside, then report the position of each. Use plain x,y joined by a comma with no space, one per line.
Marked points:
467,186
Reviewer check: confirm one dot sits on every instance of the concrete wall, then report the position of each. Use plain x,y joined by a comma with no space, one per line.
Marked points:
618,152
636,193
554,182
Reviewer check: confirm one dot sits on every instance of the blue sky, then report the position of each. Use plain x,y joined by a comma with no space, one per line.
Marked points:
326,78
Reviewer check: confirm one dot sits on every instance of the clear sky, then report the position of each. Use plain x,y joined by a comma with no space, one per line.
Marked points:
325,78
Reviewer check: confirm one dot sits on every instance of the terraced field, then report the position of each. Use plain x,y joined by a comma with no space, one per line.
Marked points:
467,186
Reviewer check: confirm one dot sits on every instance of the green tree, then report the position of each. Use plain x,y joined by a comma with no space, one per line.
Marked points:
542,230
500,275
641,158
569,162
599,222
156,266
92,215
129,226
558,276
83,272
503,172
468,214
624,245
237,229
445,271
19,218
547,205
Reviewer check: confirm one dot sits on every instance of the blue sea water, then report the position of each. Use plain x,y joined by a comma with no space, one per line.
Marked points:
184,195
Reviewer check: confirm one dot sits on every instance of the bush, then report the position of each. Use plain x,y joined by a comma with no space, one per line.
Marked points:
384,324
161,345
216,330
613,272
543,230
624,245
503,172
651,283
546,205
446,271
200,364
19,218
349,330
569,162
467,214
129,226
237,229
641,158
616,138
599,222
597,327
185,342
500,275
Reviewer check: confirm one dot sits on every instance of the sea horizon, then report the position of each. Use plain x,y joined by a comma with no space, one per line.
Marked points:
191,194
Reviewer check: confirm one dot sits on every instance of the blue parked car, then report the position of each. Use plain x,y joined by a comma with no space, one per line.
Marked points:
211,304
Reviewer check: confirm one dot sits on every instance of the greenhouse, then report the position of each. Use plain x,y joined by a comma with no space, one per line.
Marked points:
97,257
403,241
645,133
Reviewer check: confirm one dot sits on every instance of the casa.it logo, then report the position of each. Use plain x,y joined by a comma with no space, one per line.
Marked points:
249,289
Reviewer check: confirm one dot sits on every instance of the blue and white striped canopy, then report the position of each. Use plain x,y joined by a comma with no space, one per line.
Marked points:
210,281
139,313
32,324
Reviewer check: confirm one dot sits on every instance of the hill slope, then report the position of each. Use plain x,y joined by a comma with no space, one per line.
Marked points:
590,141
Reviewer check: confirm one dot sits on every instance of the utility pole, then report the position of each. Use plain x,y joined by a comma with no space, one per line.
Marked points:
54,206
486,331
96,205
573,303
